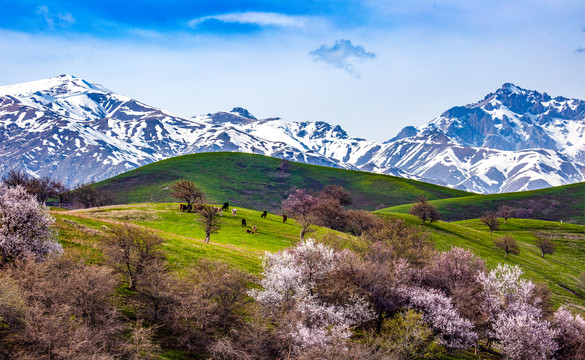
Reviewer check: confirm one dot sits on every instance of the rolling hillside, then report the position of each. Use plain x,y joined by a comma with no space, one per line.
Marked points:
261,182
564,203
80,229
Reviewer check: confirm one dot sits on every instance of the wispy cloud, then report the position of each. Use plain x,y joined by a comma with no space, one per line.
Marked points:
342,55
580,50
256,18
60,20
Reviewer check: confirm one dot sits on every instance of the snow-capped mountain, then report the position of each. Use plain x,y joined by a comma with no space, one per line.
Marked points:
77,131
514,139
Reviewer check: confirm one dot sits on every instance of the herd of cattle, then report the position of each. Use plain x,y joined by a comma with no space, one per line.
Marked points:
226,206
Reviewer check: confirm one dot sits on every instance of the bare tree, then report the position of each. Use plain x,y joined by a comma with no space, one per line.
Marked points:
508,244
506,212
86,194
300,204
491,220
544,244
424,211
209,220
336,192
61,191
186,191
132,249
42,188
15,178
359,221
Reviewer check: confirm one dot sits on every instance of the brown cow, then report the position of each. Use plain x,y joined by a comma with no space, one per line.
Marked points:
284,217
254,229
182,207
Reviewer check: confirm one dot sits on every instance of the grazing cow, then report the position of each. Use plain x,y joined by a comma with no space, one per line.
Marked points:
264,214
284,217
254,229
249,231
244,223
183,207
225,206
234,212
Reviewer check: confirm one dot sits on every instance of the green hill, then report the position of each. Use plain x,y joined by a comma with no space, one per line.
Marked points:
260,182
564,203
184,240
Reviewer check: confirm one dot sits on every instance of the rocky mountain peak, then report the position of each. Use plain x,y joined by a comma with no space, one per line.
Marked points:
243,113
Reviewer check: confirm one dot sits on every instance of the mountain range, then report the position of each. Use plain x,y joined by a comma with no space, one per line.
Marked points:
77,131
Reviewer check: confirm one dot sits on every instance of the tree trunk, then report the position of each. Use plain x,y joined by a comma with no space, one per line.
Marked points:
506,256
207,238
303,231
491,231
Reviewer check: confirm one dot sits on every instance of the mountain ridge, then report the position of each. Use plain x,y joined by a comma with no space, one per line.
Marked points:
513,139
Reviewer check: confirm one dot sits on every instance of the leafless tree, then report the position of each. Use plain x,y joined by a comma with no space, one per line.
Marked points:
508,244
544,243
209,220
188,192
424,211
336,192
132,249
506,212
15,178
491,220
359,221
86,194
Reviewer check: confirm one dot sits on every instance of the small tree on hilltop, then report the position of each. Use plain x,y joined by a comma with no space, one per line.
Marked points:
300,204
508,244
491,220
424,211
186,191
25,226
544,244
209,220
506,212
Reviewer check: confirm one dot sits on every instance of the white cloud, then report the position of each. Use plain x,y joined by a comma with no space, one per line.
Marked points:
342,55
61,19
256,18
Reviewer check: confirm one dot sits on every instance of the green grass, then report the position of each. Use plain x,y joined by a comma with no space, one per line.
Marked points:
257,182
184,237
184,244
554,204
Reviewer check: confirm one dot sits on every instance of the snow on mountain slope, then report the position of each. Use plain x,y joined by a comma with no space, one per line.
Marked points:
513,139
77,131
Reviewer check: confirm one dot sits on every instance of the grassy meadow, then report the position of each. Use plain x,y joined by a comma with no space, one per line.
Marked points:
184,245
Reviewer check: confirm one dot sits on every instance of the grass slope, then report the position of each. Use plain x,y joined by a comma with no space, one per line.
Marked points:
261,182
557,203
184,240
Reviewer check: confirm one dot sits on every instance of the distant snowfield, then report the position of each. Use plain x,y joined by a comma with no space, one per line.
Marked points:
77,131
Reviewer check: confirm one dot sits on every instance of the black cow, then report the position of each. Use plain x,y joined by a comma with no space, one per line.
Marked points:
264,214
225,206
284,217
244,223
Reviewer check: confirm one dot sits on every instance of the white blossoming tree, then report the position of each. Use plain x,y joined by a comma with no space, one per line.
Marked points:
290,277
453,331
513,313
25,226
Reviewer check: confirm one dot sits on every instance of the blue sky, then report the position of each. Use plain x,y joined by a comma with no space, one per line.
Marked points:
370,66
